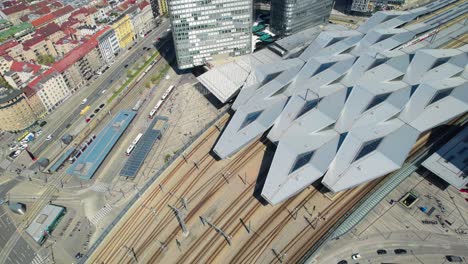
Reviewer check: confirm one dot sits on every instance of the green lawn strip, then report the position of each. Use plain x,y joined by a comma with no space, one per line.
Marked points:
132,77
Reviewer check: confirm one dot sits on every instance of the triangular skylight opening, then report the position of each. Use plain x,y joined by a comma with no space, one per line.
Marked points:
441,94
324,67
388,18
334,40
439,62
377,100
398,78
270,77
377,62
348,50
413,89
307,107
384,37
338,80
348,92
341,139
368,147
250,118
301,160
282,90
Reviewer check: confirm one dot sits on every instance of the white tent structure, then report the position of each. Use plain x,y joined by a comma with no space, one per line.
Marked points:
352,105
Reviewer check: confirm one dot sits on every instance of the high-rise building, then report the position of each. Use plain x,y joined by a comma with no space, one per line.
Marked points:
291,16
203,30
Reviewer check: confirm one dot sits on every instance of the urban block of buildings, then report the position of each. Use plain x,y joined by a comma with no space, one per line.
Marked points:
350,107
51,50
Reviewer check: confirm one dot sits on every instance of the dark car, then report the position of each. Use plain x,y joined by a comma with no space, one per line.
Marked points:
400,251
68,125
454,259
126,65
79,255
381,252
43,123
102,105
96,110
342,262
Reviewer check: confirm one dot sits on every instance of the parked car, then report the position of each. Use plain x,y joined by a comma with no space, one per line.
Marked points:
356,256
84,101
103,91
381,252
450,258
400,251
43,123
49,137
342,262
13,147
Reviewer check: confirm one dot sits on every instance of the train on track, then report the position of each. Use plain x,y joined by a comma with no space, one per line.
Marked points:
160,102
134,142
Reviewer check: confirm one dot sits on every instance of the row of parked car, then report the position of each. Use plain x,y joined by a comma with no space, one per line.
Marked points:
400,251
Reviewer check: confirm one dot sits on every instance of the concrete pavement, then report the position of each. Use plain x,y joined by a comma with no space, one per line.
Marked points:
421,247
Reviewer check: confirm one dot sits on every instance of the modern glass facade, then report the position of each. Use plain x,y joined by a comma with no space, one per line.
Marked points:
291,16
205,28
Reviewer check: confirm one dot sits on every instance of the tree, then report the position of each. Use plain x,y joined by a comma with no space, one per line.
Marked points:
4,83
45,59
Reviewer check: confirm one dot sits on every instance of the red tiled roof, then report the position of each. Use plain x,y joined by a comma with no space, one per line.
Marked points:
33,41
74,55
63,11
48,30
43,20
15,9
28,91
66,40
7,45
69,31
92,10
100,32
32,89
39,5
57,4
18,66
143,4
42,11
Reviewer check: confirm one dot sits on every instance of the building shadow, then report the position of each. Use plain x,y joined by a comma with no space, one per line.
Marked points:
264,168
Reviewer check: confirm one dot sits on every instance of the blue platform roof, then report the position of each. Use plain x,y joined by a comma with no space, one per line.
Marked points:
61,160
94,155
144,146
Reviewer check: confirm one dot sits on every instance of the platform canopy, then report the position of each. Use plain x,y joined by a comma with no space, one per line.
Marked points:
350,107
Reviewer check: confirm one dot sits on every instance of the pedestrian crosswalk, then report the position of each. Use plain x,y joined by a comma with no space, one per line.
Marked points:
38,260
100,187
100,214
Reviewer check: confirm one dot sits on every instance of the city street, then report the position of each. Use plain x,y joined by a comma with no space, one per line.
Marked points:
69,112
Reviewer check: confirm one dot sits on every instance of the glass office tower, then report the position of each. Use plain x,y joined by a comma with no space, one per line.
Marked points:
291,16
203,29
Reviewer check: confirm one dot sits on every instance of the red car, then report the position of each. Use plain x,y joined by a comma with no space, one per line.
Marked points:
87,120
464,190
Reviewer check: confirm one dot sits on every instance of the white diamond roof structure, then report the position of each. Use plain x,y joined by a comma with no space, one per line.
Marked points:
349,108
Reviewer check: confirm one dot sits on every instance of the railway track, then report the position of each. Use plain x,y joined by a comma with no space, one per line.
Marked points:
116,242
216,185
